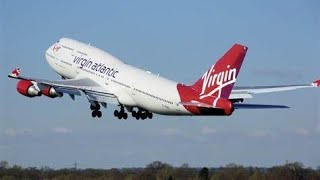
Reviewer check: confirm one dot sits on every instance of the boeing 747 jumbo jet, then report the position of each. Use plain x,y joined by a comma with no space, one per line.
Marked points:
105,79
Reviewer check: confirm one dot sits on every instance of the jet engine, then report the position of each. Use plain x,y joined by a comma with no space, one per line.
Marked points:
27,88
51,92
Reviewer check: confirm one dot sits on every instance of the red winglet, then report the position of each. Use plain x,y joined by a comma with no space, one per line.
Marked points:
316,83
15,73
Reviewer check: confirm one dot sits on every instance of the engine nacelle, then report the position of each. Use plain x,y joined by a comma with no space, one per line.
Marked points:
51,92
226,105
26,88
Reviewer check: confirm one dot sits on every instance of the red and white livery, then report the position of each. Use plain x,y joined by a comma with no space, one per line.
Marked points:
104,79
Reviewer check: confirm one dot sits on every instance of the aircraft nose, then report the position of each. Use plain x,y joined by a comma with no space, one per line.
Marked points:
49,49
54,48
50,52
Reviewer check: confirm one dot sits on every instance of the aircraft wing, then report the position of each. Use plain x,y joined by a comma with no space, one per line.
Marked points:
92,90
248,91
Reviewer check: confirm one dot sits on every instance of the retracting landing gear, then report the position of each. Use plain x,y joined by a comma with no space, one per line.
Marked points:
142,114
95,110
121,114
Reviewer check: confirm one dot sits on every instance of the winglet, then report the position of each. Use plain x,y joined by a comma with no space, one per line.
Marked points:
316,83
15,73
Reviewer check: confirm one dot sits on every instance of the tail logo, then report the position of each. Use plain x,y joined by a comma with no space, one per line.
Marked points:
15,73
56,48
217,80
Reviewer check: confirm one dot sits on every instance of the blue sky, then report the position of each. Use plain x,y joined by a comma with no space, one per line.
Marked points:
179,40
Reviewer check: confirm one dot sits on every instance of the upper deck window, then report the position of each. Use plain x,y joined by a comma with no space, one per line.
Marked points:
66,47
82,53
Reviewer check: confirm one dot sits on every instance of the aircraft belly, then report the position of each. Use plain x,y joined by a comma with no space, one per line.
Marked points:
158,106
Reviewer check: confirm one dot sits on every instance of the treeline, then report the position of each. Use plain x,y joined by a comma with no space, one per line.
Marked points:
162,171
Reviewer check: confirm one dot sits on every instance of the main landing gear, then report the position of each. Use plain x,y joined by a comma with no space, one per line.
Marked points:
120,114
142,114
95,110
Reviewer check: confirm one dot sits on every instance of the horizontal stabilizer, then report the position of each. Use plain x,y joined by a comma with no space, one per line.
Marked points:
258,106
244,92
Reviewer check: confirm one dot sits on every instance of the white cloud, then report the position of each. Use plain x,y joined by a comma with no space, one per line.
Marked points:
208,130
61,130
16,132
170,131
302,131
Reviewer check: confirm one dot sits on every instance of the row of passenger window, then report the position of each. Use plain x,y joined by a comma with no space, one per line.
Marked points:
120,83
66,47
71,49
148,94
82,53
50,55
83,69
66,63
153,96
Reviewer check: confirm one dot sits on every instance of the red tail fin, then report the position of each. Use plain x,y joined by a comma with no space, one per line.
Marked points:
219,79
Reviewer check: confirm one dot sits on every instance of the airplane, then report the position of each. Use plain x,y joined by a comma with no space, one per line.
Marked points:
104,79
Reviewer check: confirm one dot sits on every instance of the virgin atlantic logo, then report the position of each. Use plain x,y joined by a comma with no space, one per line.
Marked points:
56,48
217,81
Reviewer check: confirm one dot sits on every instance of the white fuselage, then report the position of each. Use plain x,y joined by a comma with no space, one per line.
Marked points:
133,87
